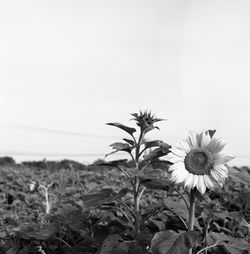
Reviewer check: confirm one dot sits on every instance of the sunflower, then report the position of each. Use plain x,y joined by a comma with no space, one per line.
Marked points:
198,161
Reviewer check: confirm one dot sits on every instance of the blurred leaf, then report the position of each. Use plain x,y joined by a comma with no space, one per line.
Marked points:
128,247
158,152
239,176
129,141
153,143
231,244
81,247
114,163
162,242
93,200
123,127
179,207
110,243
156,184
184,242
13,251
43,234
121,146
118,146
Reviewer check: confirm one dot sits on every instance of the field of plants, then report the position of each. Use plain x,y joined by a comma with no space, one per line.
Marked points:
122,207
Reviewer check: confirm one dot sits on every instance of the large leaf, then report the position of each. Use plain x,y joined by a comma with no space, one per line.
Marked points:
129,141
231,244
156,184
179,207
184,242
154,143
158,152
128,247
93,200
123,127
162,242
85,246
118,146
110,243
42,234
114,163
239,176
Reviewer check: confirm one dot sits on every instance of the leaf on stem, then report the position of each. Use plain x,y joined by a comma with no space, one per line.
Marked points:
119,146
129,141
156,184
93,200
162,242
158,152
184,242
43,234
123,127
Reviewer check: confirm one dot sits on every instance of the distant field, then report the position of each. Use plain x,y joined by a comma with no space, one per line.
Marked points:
23,210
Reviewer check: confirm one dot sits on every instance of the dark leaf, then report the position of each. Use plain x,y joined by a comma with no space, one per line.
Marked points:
153,143
179,207
158,152
118,146
232,245
156,184
129,141
114,163
184,242
93,200
110,243
123,127
43,234
162,242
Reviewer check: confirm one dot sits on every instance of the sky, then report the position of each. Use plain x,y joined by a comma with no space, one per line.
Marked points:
67,67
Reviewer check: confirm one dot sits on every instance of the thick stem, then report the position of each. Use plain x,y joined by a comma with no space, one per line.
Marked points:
136,186
191,213
136,208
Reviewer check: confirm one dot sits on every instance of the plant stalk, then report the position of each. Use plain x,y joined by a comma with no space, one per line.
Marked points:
191,214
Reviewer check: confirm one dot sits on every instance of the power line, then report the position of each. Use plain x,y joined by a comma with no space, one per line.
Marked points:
55,131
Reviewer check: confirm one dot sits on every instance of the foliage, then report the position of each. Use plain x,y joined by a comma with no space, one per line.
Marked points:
119,207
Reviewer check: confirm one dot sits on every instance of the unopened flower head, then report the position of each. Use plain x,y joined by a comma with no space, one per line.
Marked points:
198,161
145,120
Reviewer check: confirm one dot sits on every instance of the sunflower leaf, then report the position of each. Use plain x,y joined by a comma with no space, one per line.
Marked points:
128,129
184,242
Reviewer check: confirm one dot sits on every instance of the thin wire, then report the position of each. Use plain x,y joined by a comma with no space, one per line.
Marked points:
55,131
14,153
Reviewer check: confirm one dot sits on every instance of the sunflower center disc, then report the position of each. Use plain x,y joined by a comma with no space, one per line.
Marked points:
199,161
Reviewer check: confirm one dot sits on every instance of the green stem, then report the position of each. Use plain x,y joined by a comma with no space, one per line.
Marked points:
191,213
136,186
136,207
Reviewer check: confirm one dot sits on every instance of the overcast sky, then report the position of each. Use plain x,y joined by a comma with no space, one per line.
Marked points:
73,65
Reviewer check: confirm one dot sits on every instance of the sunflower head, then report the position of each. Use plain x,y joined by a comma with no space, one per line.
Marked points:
145,120
198,161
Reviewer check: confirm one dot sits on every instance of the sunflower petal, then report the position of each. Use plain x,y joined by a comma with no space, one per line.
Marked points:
221,170
205,139
216,145
208,182
179,176
189,180
221,158
177,152
191,140
201,185
195,181
177,166
218,179
182,145
174,158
